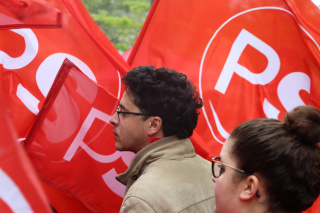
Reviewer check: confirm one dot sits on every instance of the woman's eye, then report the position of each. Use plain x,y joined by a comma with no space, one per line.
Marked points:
221,168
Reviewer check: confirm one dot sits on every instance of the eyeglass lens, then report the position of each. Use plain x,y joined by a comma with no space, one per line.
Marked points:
217,169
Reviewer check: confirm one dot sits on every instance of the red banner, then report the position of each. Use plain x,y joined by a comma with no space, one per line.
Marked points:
31,58
28,13
32,49
248,59
80,160
20,190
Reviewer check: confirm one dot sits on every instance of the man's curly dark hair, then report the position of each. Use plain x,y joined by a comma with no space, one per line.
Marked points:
168,94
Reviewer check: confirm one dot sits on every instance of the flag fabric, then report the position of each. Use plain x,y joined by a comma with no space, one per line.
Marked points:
28,13
20,190
248,59
71,142
31,57
32,48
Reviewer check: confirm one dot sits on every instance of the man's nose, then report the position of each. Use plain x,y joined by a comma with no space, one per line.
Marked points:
114,119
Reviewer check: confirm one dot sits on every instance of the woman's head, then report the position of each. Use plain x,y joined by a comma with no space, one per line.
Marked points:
284,155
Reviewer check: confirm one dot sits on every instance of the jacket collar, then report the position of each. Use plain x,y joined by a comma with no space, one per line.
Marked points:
169,148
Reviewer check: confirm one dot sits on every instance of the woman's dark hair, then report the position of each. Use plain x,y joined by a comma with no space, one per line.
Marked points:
168,94
285,154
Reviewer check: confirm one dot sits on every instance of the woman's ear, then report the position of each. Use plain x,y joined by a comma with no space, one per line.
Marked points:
155,125
250,188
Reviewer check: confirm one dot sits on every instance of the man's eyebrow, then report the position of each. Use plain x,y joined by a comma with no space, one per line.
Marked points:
122,107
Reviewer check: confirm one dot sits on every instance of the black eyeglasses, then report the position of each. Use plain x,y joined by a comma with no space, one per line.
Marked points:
217,168
131,113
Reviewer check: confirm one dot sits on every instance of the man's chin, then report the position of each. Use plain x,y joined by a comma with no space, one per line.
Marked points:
119,147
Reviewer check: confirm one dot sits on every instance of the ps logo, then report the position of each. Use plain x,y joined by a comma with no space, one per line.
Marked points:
254,69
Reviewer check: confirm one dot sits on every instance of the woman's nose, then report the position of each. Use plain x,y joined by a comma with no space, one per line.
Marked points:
213,179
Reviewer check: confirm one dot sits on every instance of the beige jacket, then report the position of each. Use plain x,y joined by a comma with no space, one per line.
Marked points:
167,177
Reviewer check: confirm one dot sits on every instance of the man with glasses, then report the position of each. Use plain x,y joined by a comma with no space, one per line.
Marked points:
156,116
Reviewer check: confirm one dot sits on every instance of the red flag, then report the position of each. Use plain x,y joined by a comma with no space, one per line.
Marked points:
28,13
249,59
30,59
239,55
20,190
80,160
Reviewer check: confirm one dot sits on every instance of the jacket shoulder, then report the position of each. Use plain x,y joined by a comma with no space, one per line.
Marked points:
134,204
179,185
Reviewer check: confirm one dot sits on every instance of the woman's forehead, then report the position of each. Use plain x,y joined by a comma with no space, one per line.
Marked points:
225,154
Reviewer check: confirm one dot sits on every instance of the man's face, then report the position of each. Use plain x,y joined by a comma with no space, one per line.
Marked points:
130,131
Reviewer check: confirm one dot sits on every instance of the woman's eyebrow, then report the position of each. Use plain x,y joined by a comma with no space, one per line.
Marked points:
221,159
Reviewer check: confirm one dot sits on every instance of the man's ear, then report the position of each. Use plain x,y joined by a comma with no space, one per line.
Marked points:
155,126
250,188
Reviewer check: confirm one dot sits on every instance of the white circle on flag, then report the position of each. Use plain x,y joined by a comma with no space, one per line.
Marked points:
210,107
49,68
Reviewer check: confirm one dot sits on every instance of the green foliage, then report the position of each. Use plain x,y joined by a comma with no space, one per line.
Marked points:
121,20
